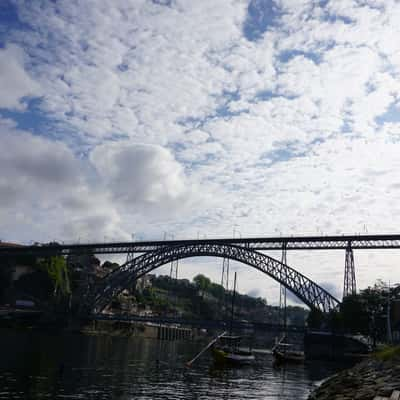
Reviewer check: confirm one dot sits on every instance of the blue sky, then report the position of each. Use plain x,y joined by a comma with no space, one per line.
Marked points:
193,118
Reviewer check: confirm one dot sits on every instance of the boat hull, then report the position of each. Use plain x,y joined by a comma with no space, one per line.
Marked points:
288,357
224,357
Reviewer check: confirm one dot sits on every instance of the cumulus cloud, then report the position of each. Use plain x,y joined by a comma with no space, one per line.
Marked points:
15,83
45,191
33,166
144,176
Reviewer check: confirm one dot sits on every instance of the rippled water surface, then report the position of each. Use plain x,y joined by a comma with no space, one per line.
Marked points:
41,365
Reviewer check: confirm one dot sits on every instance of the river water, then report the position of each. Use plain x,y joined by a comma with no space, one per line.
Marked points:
37,365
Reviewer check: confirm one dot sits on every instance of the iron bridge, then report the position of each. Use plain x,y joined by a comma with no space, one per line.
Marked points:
124,277
338,242
153,254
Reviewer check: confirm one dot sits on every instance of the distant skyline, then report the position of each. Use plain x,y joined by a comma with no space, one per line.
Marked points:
208,118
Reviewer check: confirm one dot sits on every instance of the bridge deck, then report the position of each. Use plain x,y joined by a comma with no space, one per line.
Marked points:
341,242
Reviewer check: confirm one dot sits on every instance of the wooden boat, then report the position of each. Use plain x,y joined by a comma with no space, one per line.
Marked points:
286,352
227,351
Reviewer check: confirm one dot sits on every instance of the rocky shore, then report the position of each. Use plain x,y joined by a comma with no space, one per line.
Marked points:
373,377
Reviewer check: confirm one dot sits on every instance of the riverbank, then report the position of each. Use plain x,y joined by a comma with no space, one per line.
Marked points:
138,329
38,321
379,375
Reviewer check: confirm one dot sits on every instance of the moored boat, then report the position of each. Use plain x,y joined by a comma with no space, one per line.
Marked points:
227,351
285,352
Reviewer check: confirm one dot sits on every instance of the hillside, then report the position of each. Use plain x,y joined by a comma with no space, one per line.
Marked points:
199,299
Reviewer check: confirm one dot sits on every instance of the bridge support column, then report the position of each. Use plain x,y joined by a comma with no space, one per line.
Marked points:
225,273
173,274
349,286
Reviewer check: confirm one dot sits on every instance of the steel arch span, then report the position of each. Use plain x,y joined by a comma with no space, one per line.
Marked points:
308,291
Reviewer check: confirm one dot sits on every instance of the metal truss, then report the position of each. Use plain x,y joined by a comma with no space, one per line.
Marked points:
266,243
308,291
349,286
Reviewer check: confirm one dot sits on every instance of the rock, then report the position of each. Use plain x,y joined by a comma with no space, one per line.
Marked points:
364,381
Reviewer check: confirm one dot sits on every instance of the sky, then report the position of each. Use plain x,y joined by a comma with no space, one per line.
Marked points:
213,118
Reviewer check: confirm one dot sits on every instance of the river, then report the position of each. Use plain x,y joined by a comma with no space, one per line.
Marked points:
53,365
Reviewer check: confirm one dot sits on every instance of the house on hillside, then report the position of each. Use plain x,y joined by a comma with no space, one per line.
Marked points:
144,282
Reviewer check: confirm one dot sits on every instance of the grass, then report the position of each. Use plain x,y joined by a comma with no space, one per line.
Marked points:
387,353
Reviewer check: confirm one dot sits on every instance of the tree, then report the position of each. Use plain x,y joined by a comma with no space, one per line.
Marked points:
365,312
315,319
56,268
216,290
202,283
354,314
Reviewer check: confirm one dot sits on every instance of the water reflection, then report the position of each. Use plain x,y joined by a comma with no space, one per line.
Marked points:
62,366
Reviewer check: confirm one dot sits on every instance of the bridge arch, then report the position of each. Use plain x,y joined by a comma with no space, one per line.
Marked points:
313,295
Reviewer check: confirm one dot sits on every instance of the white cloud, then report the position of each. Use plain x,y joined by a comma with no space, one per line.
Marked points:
142,176
47,191
208,129
32,165
15,83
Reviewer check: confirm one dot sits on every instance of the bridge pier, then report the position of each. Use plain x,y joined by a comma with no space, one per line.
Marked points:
349,285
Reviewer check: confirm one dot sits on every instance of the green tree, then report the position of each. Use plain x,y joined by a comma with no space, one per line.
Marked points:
216,290
354,314
202,283
315,319
56,268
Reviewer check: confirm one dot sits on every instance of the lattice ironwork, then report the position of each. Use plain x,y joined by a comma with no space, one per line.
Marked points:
308,291
263,243
349,286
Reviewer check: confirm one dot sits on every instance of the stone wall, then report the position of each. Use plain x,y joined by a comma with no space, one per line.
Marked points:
138,329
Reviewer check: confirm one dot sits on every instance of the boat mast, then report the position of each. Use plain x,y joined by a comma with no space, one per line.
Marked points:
233,304
282,294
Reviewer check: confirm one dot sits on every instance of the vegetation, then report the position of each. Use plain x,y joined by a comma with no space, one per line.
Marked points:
63,282
387,353
363,313
56,269
204,299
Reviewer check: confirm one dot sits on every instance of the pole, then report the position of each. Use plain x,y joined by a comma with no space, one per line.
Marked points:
233,304
283,290
189,363
389,327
